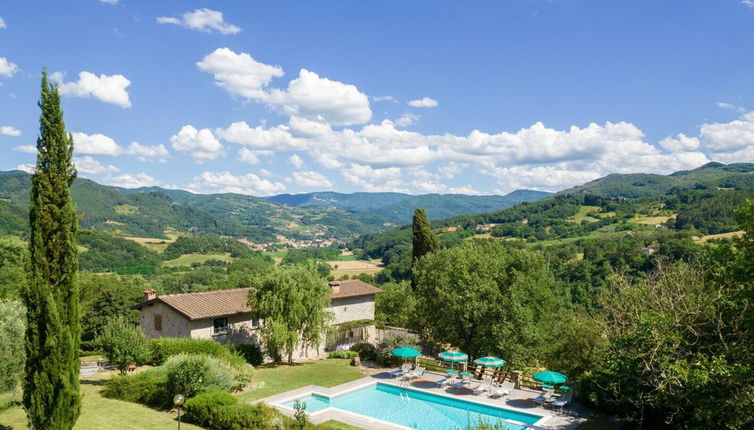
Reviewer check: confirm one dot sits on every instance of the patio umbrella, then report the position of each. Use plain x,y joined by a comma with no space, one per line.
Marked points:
452,357
405,352
489,362
550,377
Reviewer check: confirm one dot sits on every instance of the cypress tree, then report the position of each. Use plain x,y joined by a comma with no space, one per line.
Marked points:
51,384
423,240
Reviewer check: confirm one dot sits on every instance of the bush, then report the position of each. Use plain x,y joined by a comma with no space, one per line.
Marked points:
342,354
190,374
12,355
218,410
147,388
390,342
123,344
366,351
166,347
251,353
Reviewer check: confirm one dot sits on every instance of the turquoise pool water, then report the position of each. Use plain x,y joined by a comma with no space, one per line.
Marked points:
415,409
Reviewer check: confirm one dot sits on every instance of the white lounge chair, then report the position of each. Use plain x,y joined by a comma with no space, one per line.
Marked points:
448,380
486,385
416,373
466,380
404,370
505,389
563,401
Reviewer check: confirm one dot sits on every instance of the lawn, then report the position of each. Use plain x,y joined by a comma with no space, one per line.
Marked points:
275,379
189,259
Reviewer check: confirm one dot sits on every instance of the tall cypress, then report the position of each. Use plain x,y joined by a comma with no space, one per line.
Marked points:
51,384
424,241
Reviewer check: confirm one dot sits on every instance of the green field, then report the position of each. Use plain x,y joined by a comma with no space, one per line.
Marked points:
189,259
585,214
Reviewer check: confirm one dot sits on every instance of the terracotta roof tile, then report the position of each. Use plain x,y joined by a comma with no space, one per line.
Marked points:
354,288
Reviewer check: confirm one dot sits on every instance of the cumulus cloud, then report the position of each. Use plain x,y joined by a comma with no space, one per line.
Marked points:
95,144
749,3
308,96
276,138
105,88
26,167
296,161
407,119
138,180
110,2
311,179
89,165
7,69
425,102
2,23
385,99
731,106
730,136
239,74
225,182
201,145
148,153
680,143
29,149
248,156
10,131
206,20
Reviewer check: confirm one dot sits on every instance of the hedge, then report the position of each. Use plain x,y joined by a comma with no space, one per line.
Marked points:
166,347
147,388
218,410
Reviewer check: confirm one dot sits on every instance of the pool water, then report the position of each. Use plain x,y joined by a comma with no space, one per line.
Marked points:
416,409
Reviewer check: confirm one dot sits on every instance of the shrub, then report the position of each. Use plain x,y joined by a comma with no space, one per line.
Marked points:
390,342
251,353
12,355
190,374
123,344
342,354
147,388
366,351
218,410
166,347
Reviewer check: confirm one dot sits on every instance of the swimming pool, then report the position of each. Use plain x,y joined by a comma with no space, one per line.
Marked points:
415,409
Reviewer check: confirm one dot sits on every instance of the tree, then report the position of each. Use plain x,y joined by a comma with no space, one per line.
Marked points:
123,343
12,326
679,352
485,299
12,261
51,384
395,306
292,301
423,240
104,297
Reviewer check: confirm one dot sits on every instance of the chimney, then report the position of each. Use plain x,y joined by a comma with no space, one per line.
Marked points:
335,285
150,294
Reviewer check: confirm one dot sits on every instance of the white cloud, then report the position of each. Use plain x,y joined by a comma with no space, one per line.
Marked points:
89,165
29,149
148,153
730,136
682,143
749,3
2,22
10,131
731,106
138,180
296,161
7,69
239,74
225,182
26,167
311,179
248,156
276,138
266,173
95,144
385,99
407,119
107,89
206,20
201,145
110,2
425,102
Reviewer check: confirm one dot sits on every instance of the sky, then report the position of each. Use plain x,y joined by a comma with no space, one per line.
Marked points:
481,97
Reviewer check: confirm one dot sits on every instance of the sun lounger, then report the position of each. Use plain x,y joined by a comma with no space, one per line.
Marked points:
543,399
563,401
463,382
505,389
404,370
448,380
416,373
486,385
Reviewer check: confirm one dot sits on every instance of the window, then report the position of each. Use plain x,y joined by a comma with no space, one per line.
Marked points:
220,326
157,322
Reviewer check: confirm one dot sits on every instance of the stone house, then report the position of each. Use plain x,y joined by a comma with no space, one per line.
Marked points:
225,316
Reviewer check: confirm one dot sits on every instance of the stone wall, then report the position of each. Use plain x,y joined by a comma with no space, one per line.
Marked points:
173,323
352,309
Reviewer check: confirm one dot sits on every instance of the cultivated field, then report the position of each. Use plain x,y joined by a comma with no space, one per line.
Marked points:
719,236
188,259
354,267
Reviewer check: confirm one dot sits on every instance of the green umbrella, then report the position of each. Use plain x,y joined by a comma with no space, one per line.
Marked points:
550,377
489,362
453,357
405,352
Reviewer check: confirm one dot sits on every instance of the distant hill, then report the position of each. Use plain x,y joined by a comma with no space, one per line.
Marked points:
399,208
711,175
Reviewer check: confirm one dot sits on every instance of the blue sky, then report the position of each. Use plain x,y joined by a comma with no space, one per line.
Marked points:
473,97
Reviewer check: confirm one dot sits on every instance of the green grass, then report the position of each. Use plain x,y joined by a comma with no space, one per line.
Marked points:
275,379
99,413
584,214
336,425
189,259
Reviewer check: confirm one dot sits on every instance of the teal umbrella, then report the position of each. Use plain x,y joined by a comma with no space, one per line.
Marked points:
489,362
550,377
405,352
453,357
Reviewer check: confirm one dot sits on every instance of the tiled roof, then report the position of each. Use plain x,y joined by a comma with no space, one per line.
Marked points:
213,304
354,288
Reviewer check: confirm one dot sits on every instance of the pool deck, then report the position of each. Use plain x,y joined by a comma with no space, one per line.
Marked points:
519,400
